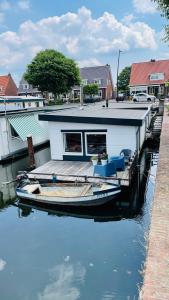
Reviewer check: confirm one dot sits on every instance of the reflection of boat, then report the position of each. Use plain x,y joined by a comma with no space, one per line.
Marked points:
110,211
69,194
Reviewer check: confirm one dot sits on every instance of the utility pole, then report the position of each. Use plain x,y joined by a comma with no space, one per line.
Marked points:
81,94
118,62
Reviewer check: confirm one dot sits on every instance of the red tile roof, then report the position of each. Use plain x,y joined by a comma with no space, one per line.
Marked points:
3,84
7,86
140,72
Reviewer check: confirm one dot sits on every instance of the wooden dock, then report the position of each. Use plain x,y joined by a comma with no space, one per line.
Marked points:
77,170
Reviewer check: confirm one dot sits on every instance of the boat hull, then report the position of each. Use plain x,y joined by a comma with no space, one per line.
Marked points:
91,200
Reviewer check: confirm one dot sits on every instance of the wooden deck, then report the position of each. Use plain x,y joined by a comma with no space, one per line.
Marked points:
75,170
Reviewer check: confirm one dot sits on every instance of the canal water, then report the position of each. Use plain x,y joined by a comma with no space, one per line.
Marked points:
94,254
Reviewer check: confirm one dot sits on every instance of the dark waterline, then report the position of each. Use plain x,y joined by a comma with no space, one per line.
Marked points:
89,255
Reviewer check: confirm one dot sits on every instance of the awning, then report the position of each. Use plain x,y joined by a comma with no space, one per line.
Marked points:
26,125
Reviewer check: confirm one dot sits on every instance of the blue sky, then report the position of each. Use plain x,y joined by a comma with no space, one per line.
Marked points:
91,32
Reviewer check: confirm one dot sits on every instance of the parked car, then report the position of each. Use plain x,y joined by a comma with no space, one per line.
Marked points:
143,97
120,97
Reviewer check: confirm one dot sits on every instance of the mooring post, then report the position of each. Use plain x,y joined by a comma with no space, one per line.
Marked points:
161,107
31,152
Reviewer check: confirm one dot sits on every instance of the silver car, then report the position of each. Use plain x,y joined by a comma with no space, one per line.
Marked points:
143,97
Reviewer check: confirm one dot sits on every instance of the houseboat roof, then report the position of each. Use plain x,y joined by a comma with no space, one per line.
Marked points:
98,115
14,99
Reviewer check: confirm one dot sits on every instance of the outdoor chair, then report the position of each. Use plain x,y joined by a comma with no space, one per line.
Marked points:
119,162
127,153
105,170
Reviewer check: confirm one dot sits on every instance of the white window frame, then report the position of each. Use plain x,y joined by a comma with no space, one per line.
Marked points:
156,76
94,133
64,143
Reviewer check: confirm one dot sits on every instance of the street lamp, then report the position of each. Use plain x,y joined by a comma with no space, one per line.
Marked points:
81,94
118,61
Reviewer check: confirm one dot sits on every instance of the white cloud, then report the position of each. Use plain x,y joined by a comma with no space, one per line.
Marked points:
24,4
89,62
63,286
77,35
128,18
144,6
2,264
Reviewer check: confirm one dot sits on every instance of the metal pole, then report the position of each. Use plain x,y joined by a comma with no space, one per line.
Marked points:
81,95
118,62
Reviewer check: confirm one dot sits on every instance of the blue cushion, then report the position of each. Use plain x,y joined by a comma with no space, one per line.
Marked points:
105,170
119,162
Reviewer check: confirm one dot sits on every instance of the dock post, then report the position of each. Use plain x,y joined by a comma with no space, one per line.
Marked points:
161,107
31,152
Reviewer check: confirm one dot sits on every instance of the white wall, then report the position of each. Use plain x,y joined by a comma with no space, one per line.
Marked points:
30,104
118,137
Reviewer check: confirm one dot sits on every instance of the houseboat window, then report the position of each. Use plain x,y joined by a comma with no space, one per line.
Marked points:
72,142
13,132
95,143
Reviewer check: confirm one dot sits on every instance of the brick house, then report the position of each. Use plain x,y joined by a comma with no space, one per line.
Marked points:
100,75
8,86
151,77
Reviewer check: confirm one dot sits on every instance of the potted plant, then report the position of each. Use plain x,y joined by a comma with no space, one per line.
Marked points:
94,160
104,159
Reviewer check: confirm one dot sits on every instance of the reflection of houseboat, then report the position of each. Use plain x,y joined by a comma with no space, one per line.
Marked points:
78,134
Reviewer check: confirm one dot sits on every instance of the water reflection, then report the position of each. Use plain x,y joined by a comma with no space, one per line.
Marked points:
62,282
58,254
8,173
2,264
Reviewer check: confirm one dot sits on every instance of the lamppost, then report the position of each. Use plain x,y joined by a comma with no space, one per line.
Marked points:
81,94
118,62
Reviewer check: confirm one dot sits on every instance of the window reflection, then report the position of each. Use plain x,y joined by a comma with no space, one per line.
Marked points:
73,142
96,143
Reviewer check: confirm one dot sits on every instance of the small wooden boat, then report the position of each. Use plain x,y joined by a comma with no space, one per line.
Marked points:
70,194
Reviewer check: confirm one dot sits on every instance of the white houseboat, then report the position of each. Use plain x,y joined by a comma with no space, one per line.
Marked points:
76,135
20,102
79,133
15,127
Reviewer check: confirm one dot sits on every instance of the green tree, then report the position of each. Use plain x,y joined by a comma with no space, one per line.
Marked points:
163,5
91,89
51,71
123,79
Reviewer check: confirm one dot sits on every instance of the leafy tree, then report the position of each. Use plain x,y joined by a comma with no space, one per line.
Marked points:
163,5
123,79
91,89
51,71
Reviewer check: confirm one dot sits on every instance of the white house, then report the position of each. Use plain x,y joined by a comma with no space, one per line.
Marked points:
78,134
